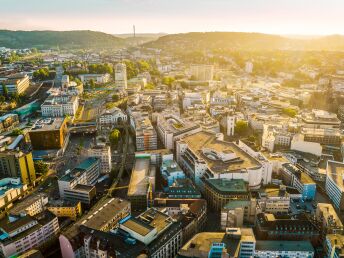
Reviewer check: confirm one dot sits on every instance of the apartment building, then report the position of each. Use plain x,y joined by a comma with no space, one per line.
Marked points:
121,80
16,84
103,152
145,134
20,234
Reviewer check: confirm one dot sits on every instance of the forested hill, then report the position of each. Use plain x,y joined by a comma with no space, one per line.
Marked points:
60,39
245,41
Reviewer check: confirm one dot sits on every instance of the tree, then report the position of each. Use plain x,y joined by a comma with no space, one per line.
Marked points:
17,132
289,112
41,167
92,84
149,86
2,99
41,74
240,127
168,80
115,97
114,137
4,90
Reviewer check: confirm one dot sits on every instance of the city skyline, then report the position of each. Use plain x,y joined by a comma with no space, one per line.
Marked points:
117,16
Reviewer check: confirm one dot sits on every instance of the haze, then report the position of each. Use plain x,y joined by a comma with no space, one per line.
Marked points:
117,16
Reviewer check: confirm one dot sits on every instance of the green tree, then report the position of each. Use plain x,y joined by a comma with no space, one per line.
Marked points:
114,137
168,80
289,112
92,84
4,90
115,97
17,132
240,127
149,86
41,167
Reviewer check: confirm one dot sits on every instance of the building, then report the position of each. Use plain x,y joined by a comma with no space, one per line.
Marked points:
142,184
49,133
110,118
275,135
236,213
79,181
328,219
170,170
8,122
300,249
205,155
183,189
152,225
275,200
334,245
202,72
60,105
97,78
334,183
145,134
293,176
20,234
298,143
65,209
287,227
248,67
171,128
234,242
320,119
324,136
218,192
30,205
17,163
11,190
103,152
16,84
121,76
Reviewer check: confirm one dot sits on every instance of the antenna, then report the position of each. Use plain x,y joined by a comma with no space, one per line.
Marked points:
134,31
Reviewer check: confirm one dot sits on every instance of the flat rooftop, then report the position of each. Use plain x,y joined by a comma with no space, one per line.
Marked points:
83,188
20,207
142,169
201,140
149,220
227,185
338,241
176,125
48,124
301,246
81,168
328,212
100,215
335,170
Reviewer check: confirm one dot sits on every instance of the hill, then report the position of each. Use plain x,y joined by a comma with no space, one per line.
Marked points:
244,41
61,39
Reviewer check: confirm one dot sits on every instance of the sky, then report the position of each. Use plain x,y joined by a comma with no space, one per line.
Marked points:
296,17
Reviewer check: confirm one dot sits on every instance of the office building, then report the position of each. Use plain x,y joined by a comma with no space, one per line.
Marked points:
320,119
236,213
20,234
110,118
49,133
121,76
183,189
17,163
145,134
334,183
60,105
275,200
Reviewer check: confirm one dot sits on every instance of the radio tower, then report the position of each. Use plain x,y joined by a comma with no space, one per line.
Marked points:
135,43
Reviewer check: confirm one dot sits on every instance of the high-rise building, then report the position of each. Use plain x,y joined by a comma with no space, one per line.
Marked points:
15,163
121,76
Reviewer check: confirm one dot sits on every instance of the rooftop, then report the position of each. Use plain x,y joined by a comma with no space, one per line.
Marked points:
139,177
300,246
228,186
19,207
100,215
201,141
329,214
48,124
80,169
337,241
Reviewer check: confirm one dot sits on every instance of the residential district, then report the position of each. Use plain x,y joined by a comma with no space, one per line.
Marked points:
140,153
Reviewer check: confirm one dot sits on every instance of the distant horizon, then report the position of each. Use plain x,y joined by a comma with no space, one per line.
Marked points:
166,33
277,17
